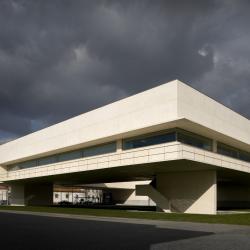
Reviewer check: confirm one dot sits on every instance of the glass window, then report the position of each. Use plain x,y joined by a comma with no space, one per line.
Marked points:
227,150
47,160
27,164
99,150
70,155
233,152
92,151
149,140
23,165
244,156
13,167
194,140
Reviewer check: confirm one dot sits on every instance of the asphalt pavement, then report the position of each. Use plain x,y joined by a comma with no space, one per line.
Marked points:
22,230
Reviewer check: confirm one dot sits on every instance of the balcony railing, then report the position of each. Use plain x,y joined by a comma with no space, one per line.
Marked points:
150,154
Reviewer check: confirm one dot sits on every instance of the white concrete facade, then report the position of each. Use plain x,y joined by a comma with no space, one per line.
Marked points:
169,106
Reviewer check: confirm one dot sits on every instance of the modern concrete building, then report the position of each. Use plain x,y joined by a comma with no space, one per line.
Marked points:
194,151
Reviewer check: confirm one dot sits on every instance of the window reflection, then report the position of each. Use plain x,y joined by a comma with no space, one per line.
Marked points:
194,140
72,155
232,152
176,134
149,140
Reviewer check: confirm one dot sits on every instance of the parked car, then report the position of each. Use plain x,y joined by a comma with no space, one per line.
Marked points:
3,202
65,203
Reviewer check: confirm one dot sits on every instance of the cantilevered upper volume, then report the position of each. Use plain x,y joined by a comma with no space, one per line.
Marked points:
150,108
170,105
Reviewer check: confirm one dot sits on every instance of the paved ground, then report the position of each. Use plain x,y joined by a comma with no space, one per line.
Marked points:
25,230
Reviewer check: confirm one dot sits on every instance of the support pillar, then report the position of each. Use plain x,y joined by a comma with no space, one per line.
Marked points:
190,191
119,146
17,195
32,194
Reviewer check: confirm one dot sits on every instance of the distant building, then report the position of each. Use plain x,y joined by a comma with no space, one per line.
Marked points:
77,195
4,193
187,153
120,193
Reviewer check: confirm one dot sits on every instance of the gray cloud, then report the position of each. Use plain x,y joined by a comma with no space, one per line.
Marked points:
62,58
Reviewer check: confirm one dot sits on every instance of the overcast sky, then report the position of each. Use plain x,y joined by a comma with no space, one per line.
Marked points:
59,59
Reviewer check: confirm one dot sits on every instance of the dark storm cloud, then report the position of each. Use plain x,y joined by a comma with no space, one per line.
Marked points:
62,58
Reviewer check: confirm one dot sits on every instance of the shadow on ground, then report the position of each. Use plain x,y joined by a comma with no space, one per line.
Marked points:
35,232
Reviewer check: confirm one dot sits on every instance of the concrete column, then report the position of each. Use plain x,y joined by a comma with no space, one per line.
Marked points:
157,198
214,146
119,146
17,195
33,194
3,172
190,191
